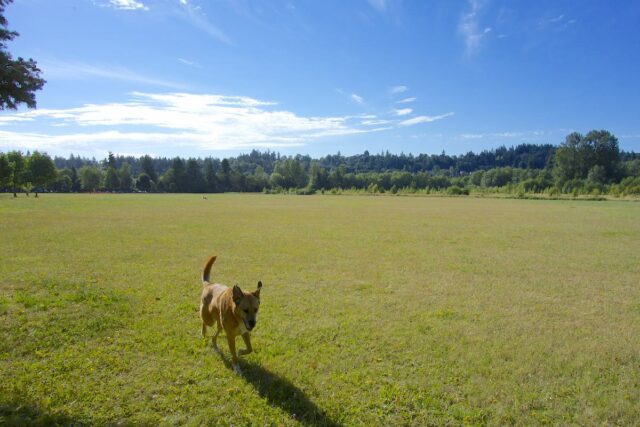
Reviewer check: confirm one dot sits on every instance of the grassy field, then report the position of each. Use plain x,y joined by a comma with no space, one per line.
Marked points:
375,310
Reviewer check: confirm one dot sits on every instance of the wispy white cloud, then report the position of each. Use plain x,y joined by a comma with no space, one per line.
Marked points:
127,5
471,135
357,98
375,122
74,70
101,141
426,135
186,9
394,90
353,97
552,20
503,135
182,122
559,23
557,18
402,111
6,120
469,26
189,63
424,119
197,18
406,100
197,121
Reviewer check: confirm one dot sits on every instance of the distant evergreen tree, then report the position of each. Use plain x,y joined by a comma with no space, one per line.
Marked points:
111,181
211,180
146,165
224,177
125,177
75,180
194,178
179,176
111,160
144,182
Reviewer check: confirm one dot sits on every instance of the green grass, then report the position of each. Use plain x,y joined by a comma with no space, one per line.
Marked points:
375,310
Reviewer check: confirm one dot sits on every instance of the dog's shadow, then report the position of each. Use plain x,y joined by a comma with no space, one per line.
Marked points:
283,393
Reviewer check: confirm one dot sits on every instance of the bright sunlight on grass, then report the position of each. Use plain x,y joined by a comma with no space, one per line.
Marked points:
375,310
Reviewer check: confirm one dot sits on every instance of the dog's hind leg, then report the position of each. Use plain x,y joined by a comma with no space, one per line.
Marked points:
204,330
214,338
247,342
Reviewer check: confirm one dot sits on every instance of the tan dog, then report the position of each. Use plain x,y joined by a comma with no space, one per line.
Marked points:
231,309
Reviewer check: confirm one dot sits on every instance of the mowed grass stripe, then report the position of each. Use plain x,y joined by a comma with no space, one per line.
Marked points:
376,310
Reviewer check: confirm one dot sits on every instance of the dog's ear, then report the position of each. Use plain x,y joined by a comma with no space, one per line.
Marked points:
237,294
256,293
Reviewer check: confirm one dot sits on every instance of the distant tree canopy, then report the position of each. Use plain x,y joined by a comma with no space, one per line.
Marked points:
90,178
146,164
17,167
41,169
5,171
590,164
19,78
594,156
221,172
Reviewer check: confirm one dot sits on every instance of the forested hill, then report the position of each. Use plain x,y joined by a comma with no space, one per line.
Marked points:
584,164
526,156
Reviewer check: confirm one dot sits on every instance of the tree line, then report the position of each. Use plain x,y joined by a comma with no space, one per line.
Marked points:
583,164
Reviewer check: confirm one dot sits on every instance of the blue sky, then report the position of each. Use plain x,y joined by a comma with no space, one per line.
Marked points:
221,77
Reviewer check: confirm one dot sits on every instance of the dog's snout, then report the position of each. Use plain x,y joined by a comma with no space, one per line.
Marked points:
252,323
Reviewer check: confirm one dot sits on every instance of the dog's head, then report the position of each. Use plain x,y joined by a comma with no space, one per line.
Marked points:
247,305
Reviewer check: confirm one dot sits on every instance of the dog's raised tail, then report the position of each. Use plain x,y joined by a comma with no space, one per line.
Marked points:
207,269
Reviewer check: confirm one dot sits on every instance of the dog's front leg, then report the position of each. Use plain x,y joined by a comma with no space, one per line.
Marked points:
234,357
247,342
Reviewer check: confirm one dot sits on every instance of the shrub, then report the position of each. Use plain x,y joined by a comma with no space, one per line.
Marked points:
573,186
529,186
454,190
307,191
635,190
